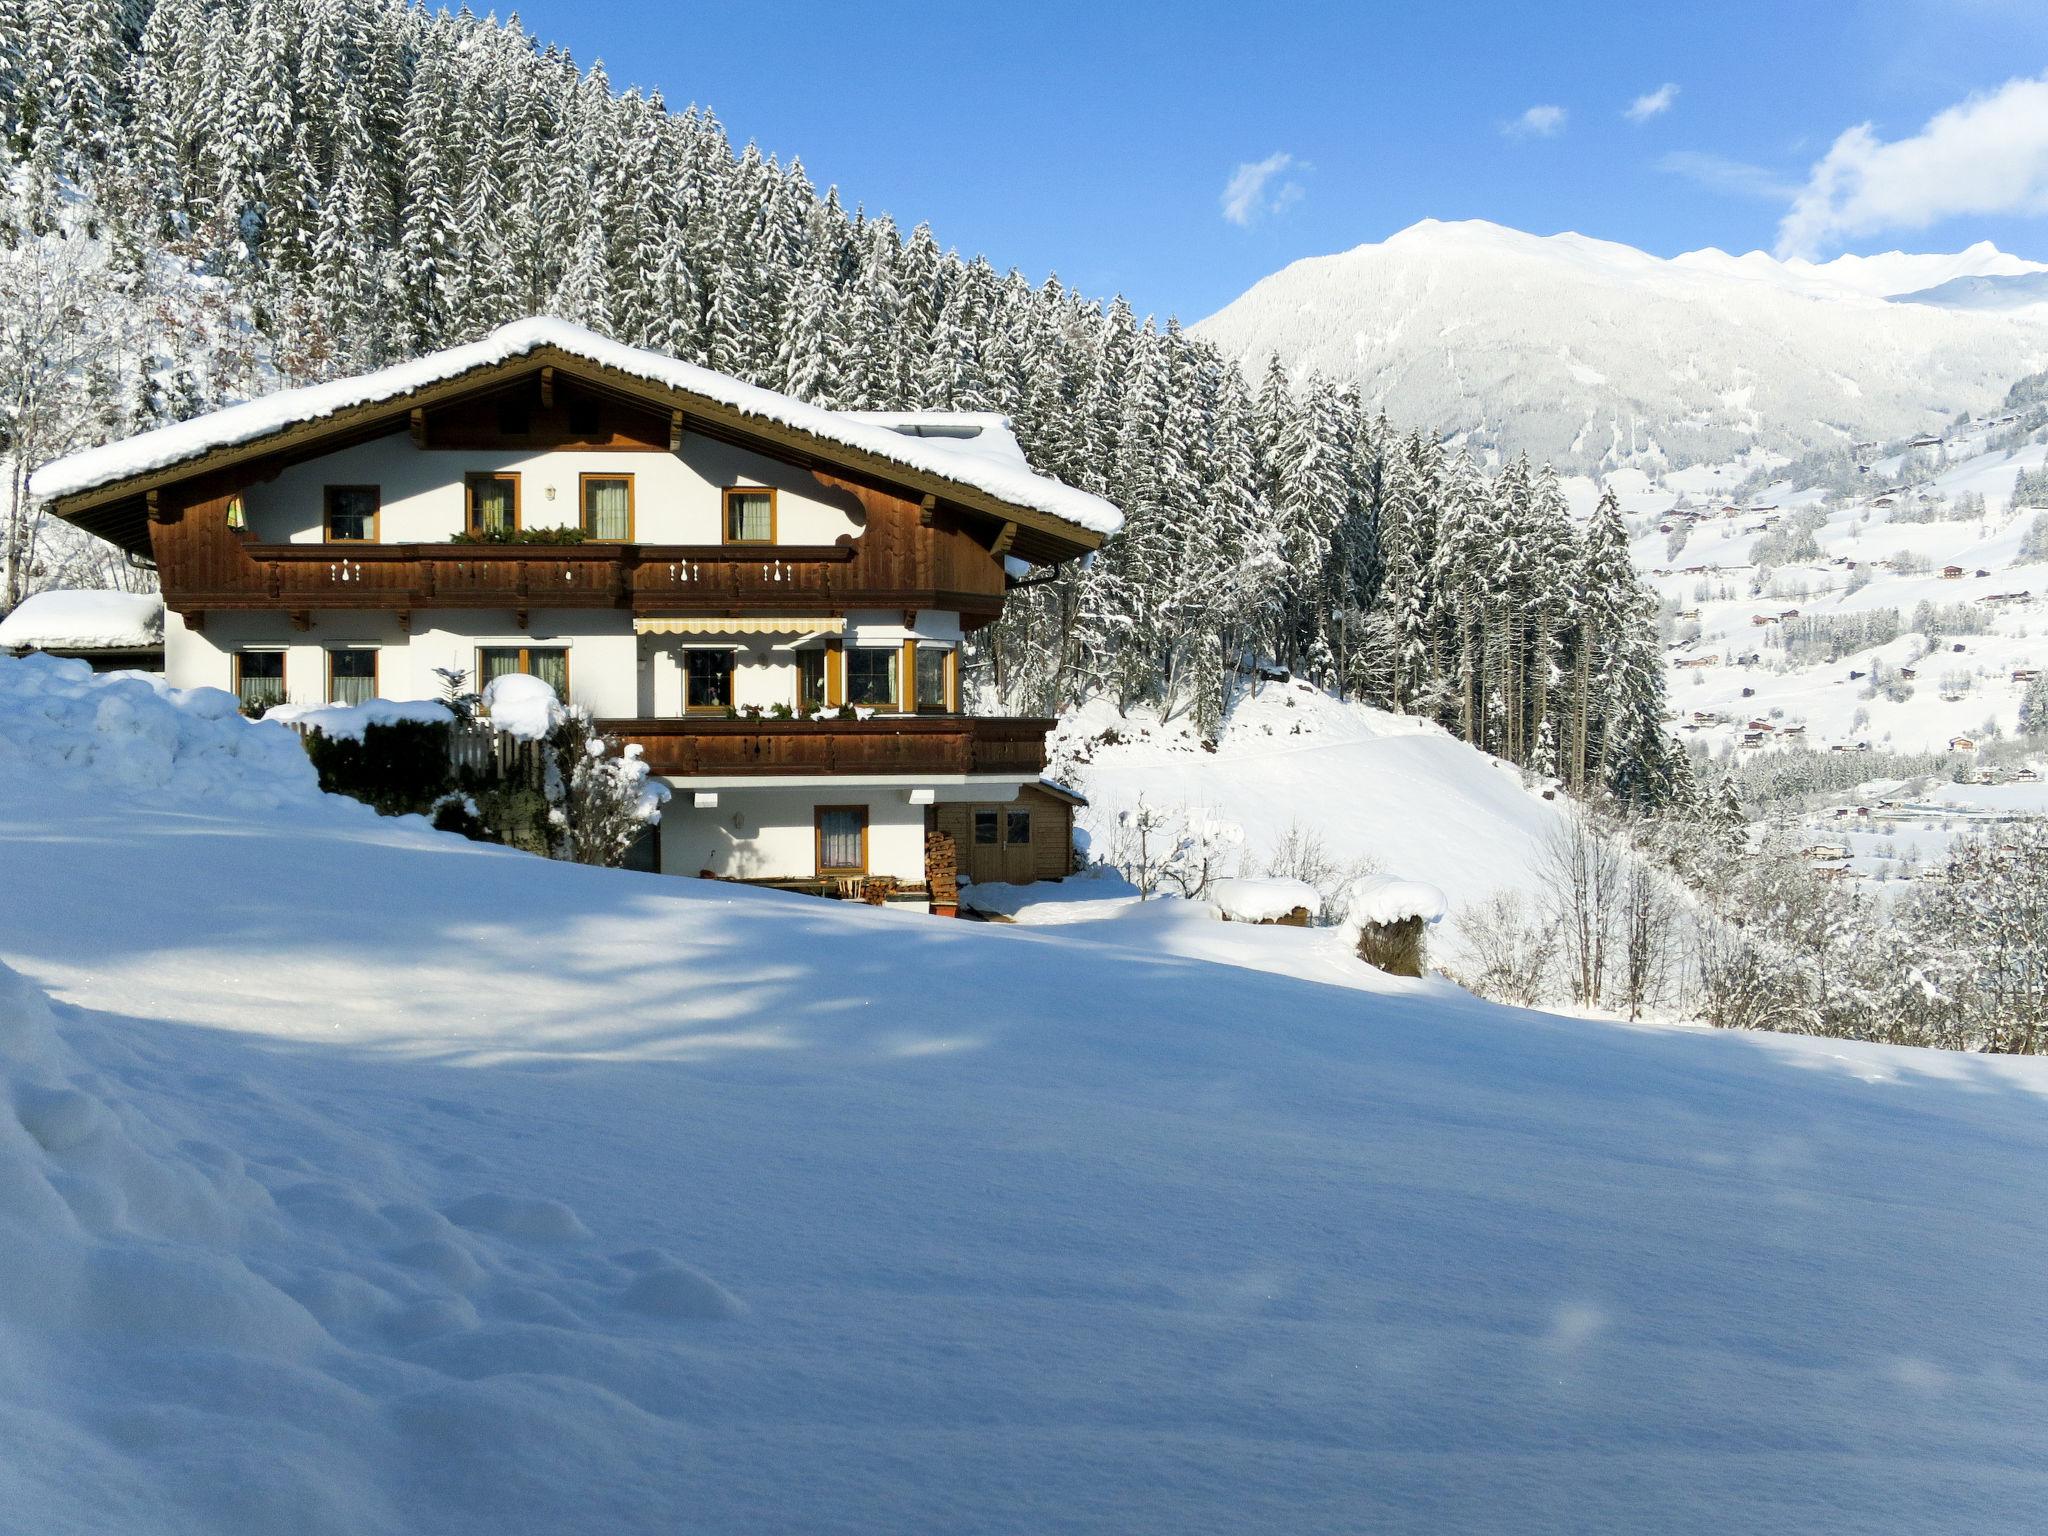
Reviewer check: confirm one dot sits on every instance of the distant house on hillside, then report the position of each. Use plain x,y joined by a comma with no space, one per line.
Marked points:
769,600
1951,573
1962,743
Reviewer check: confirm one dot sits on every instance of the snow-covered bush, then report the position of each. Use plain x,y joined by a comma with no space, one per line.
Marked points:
601,798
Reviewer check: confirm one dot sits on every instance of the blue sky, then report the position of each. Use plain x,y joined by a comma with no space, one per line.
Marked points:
1101,140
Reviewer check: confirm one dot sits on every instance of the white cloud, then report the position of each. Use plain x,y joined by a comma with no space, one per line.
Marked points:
1539,122
1251,193
1723,174
1652,104
1987,154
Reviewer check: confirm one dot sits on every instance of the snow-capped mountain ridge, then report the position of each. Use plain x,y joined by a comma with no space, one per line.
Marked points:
1594,353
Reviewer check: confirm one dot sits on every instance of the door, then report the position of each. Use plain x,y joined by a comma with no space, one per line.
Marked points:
985,845
1017,844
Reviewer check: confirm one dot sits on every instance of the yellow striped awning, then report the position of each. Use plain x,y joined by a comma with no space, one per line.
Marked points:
732,626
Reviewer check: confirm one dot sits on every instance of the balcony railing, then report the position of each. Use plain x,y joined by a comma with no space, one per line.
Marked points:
908,744
666,578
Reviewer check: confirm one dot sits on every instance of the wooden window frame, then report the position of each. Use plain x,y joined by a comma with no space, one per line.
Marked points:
1016,810
525,663
894,705
327,513
725,512
824,678
949,687
470,523
731,655
376,666
974,815
818,816
284,670
583,503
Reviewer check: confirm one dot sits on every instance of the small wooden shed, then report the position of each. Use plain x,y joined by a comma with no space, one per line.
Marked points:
1012,842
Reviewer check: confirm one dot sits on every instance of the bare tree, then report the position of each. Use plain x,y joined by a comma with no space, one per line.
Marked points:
1581,867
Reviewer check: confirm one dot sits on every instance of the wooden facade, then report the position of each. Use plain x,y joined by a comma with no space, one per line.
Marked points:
883,744
1047,853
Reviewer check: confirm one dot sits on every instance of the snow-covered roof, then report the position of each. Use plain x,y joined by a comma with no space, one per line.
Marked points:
68,619
986,460
1263,900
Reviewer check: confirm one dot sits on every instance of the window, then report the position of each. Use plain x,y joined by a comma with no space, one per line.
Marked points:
493,504
933,675
1017,828
985,825
259,679
550,665
871,677
842,839
810,679
707,680
608,507
749,516
351,676
352,513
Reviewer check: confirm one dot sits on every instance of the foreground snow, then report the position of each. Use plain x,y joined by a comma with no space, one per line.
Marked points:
367,1180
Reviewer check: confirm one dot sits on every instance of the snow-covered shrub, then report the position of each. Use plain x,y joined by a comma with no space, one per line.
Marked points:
601,798
400,768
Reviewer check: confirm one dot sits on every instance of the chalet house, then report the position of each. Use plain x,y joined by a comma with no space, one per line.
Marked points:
1962,744
768,598
1951,573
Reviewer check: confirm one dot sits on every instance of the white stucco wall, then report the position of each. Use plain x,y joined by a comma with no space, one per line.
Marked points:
771,834
676,497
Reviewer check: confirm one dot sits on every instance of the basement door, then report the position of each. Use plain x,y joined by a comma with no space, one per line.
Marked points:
999,845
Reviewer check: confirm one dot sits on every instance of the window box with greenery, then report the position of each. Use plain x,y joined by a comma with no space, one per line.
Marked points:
539,536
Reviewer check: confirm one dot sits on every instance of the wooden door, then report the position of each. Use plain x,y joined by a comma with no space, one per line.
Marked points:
1017,861
984,850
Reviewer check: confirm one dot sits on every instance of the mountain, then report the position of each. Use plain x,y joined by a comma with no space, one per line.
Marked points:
1595,354
1997,290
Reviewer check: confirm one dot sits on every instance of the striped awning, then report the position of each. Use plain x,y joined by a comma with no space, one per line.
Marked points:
732,626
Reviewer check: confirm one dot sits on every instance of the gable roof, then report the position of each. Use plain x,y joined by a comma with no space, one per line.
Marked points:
981,469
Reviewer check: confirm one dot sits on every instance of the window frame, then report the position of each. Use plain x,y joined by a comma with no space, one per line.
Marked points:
974,815
1010,815
731,655
327,494
725,513
525,663
283,673
583,503
376,666
948,678
894,702
824,665
470,521
818,815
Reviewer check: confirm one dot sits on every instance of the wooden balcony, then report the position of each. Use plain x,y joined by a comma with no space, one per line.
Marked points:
645,578
695,747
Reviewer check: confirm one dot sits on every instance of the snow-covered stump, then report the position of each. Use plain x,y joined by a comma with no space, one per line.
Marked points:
1288,903
1388,919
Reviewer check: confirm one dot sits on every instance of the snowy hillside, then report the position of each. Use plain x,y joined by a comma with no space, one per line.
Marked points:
1374,789
365,1180
1912,613
1591,353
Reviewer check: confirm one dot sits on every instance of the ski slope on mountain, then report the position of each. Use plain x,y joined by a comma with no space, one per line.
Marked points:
1593,354
1389,792
354,1178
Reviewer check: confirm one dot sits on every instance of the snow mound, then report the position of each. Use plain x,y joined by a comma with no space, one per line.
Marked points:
1385,899
349,721
132,734
992,472
71,620
1247,900
522,705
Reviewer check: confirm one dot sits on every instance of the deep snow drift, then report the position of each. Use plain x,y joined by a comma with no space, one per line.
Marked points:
366,1180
